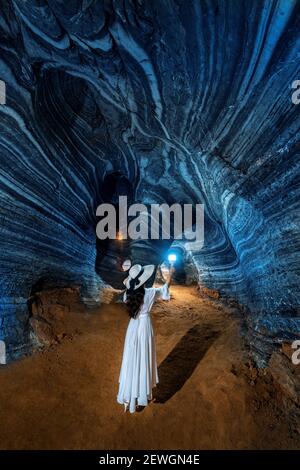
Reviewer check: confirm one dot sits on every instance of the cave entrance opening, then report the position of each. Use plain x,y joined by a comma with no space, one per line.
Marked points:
177,256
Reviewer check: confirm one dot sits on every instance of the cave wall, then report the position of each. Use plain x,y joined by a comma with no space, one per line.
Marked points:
190,101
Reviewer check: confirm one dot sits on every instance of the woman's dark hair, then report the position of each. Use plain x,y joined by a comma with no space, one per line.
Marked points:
134,299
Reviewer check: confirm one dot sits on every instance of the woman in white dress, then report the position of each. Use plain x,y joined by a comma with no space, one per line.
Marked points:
138,373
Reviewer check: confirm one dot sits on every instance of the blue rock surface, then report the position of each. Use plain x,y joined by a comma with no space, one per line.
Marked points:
183,101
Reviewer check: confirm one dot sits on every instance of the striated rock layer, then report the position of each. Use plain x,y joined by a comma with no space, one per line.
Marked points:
162,101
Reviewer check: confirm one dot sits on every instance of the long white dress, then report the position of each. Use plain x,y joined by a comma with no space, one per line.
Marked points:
138,373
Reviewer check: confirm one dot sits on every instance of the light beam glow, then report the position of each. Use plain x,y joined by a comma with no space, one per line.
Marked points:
172,257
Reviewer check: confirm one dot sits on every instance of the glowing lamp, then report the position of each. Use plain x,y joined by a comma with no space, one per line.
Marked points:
172,257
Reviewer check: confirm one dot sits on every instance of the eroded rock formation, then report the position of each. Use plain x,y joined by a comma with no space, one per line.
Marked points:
174,101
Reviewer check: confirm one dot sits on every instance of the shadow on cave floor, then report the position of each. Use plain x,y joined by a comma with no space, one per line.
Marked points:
181,362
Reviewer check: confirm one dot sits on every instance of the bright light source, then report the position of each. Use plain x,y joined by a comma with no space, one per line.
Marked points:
172,257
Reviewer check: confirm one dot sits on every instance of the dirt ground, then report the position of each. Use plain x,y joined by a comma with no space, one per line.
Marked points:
209,396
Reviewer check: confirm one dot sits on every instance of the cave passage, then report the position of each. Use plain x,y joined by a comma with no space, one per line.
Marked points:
147,99
165,102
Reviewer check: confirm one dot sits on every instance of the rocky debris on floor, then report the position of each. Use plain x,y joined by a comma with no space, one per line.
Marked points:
51,314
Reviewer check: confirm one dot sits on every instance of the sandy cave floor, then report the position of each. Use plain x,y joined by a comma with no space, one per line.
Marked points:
64,397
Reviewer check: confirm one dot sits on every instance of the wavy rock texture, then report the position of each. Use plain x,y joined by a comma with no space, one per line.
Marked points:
182,101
